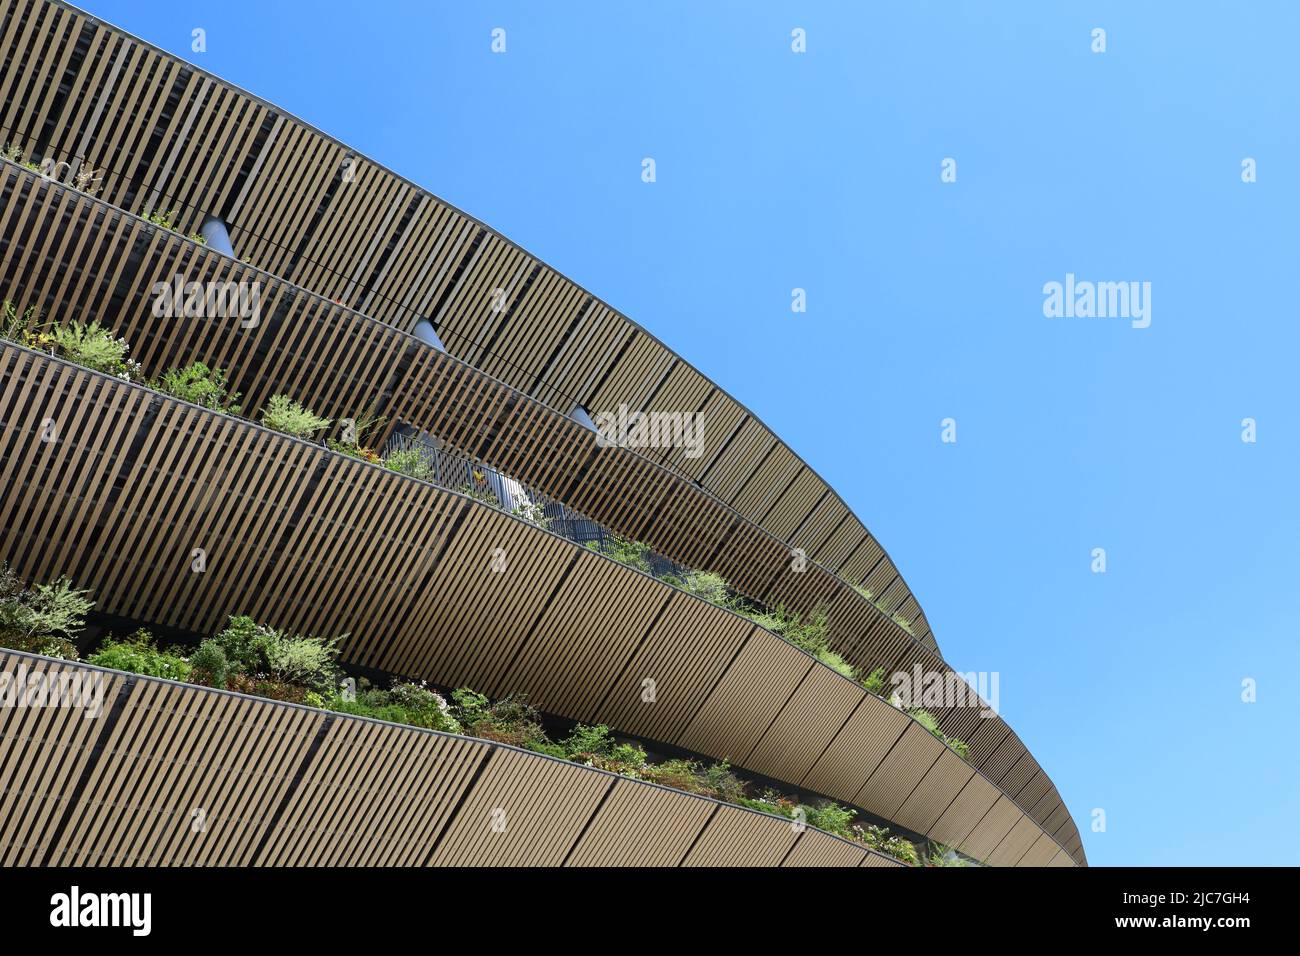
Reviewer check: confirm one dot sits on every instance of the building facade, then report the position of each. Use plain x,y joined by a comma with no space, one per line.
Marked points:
203,224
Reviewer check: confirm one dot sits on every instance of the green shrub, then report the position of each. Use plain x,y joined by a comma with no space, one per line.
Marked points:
16,154
429,707
239,642
533,513
139,654
41,620
13,324
624,551
262,686
545,747
255,650
902,622
875,682
480,492
94,347
812,635
201,385
47,645
403,703
708,585
469,706
878,838
926,720
164,220
771,802
836,663
724,783
410,461
830,817
209,665
511,720
285,415
594,740
353,450
941,855
678,773
308,661
629,755
931,723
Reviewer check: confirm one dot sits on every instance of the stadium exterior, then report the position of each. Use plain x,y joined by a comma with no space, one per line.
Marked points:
372,299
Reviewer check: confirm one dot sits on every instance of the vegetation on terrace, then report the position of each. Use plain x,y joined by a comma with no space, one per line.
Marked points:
96,348
259,660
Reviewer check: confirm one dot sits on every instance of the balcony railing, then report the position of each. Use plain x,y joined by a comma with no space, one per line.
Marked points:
490,486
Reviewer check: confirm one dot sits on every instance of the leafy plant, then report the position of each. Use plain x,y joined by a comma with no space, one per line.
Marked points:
878,838
87,179
353,450
40,620
534,513
410,461
200,385
209,665
46,610
830,817
902,622
875,682
931,723
262,686
14,325
585,741
164,220
836,663
480,492
285,415
254,650
941,855
94,347
624,551
724,783
16,154
403,703
301,660
353,443
926,720
510,721
470,706
708,585
138,654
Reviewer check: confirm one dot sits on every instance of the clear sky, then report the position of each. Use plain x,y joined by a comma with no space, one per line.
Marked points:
821,170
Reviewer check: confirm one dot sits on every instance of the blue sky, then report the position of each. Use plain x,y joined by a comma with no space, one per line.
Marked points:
822,171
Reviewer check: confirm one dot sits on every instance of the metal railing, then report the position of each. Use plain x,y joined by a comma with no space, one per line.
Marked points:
492,487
